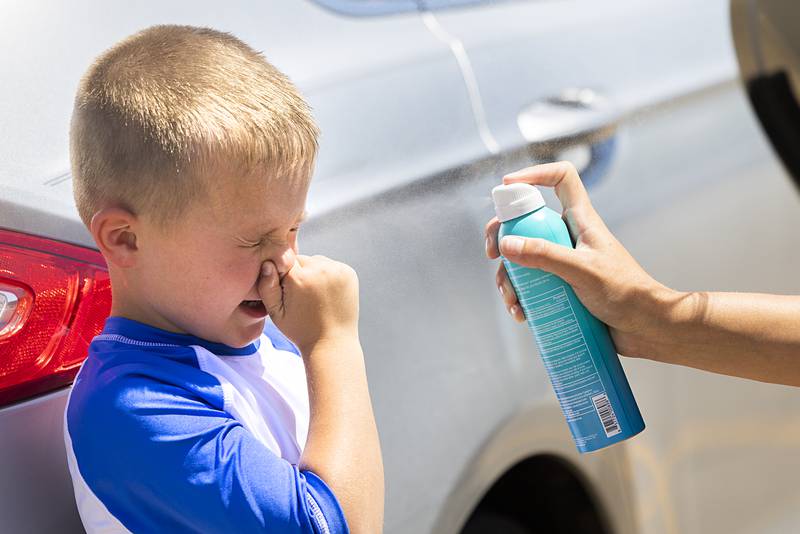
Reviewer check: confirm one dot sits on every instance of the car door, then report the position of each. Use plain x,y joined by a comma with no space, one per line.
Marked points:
644,98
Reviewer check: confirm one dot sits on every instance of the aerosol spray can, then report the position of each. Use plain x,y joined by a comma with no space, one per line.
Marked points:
577,350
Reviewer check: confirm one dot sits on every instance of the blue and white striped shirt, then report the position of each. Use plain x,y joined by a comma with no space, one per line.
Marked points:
168,432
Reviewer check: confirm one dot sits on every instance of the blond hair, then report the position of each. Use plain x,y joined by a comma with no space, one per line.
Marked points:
158,114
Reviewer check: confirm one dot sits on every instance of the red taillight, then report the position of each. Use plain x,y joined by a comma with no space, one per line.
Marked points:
54,298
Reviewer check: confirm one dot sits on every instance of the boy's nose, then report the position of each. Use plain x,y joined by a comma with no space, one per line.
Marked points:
285,261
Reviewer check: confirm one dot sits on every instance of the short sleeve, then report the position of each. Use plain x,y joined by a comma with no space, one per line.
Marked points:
161,458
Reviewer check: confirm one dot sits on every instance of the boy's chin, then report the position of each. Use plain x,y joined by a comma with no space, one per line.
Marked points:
241,342
246,333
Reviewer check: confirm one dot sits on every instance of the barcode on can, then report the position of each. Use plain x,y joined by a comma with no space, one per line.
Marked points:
606,414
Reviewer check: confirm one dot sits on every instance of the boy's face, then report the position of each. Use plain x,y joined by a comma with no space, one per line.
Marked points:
196,277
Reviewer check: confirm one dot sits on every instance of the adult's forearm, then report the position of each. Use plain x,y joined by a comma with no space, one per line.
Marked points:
749,335
342,445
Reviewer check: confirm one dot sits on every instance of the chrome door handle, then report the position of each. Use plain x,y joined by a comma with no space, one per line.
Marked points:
577,118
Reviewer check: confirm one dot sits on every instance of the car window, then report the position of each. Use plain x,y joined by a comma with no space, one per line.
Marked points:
369,8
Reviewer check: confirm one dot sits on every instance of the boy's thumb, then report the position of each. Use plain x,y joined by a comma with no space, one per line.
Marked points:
269,287
541,254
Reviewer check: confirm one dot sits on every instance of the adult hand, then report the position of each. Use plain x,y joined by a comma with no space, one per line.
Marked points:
604,276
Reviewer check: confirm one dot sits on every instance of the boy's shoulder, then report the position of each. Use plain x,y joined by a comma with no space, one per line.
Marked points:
130,365
119,372
124,391
135,372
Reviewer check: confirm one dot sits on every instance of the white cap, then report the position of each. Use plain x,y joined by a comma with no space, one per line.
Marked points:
514,200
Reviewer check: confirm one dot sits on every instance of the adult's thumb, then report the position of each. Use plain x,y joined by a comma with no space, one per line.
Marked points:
541,254
269,287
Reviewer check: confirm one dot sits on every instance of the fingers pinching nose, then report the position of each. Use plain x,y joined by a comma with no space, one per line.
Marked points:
268,272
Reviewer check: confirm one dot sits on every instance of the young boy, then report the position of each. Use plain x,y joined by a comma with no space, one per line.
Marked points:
191,159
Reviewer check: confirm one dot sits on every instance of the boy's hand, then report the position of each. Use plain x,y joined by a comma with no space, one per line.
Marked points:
315,301
316,305
604,276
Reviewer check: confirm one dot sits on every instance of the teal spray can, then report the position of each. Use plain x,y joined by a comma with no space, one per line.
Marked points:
577,350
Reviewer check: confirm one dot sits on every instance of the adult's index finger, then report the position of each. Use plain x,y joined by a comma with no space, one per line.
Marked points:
562,176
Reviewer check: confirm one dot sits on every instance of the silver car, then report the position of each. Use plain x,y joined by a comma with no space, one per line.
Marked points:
423,105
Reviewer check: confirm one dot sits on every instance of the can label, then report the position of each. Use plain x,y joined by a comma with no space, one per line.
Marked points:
567,354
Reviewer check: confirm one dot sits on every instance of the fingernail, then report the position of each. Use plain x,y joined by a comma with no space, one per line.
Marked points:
501,289
514,310
511,245
487,245
267,269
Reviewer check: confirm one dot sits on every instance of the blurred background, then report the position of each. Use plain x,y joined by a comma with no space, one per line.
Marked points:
677,113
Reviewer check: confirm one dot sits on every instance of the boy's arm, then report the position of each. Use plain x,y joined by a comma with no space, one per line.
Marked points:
342,445
316,306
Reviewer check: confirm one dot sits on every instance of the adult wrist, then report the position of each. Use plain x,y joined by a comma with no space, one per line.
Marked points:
674,313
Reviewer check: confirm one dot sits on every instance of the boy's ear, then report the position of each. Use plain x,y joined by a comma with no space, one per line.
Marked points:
114,231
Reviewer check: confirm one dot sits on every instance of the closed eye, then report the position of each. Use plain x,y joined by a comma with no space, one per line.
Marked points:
265,238
247,244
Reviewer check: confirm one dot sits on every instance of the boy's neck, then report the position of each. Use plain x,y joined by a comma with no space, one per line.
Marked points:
122,306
